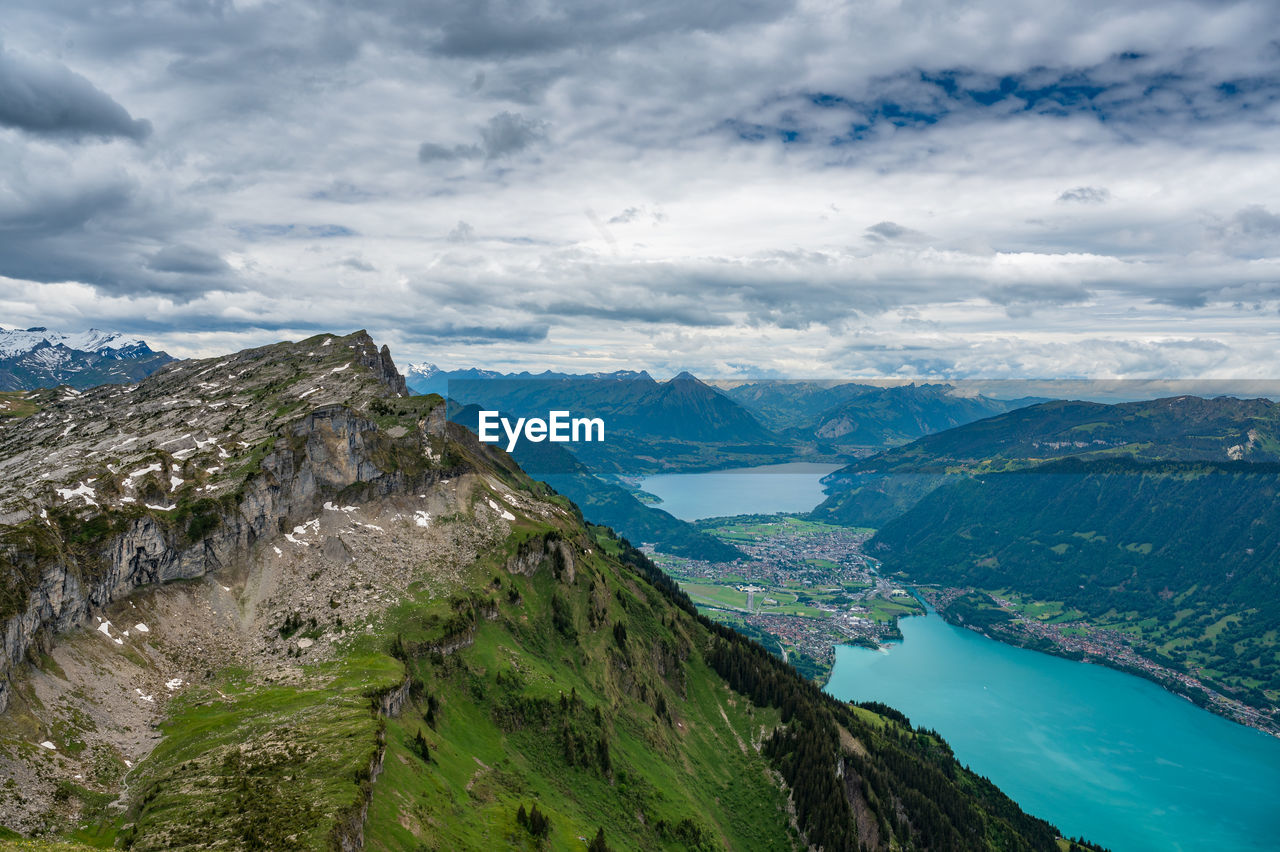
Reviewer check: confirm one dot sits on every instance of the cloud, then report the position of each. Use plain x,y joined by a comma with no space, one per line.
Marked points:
504,134
882,232
461,233
1256,221
187,260
509,133
482,30
293,230
45,98
1044,187
482,334
1086,195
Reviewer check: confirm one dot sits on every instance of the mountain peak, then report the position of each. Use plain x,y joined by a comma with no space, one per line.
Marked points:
37,357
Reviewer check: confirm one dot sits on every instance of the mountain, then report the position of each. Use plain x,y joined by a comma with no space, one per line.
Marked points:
39,358
864,417
428,378
1156,519
871,491
270,601
650,426
1182,428
607,503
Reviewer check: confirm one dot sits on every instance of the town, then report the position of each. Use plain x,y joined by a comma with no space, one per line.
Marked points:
805,588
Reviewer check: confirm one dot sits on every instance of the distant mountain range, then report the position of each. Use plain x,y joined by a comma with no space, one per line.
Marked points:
855,417
685,423
39,358
651,426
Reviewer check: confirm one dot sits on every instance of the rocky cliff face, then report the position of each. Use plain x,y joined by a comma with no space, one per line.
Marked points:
135,531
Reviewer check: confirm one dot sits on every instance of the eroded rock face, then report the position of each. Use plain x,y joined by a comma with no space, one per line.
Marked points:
168,463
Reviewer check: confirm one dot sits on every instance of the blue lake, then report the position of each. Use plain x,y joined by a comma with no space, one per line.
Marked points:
1097,752
763,490
1094,751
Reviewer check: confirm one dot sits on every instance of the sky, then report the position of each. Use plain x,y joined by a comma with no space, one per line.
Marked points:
885,188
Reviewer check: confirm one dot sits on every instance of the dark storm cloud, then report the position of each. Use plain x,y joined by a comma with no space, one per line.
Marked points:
45,98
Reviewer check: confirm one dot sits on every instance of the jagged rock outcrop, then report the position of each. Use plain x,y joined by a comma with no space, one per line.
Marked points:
548,550
321,455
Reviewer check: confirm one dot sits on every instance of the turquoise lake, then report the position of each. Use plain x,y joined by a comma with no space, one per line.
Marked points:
772,488
1096,752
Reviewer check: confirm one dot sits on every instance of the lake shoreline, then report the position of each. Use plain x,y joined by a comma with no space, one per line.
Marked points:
1089,748
1177,683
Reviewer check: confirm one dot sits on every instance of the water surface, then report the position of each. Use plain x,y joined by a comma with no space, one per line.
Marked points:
1095,751
793,487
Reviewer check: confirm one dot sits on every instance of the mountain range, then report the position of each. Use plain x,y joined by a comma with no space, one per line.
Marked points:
1157,519
860,418
39,358
272,601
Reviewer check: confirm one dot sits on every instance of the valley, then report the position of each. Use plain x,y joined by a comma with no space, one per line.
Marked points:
803,589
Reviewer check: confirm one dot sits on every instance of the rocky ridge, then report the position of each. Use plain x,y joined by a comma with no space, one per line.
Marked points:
122,486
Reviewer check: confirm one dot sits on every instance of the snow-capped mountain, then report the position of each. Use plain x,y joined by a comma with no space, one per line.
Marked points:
37,357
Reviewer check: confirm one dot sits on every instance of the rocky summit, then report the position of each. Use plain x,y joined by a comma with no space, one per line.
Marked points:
271,601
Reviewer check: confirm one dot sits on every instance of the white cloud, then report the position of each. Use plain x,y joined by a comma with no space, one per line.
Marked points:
875,187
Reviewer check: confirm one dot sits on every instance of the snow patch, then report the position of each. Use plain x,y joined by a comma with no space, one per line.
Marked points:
421,518
175,482
148,698
171,685
151,468
48,745
141,628
505,514
160,508
82,491
308,393
339,369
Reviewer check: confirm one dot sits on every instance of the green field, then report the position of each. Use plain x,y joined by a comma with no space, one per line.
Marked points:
751,528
